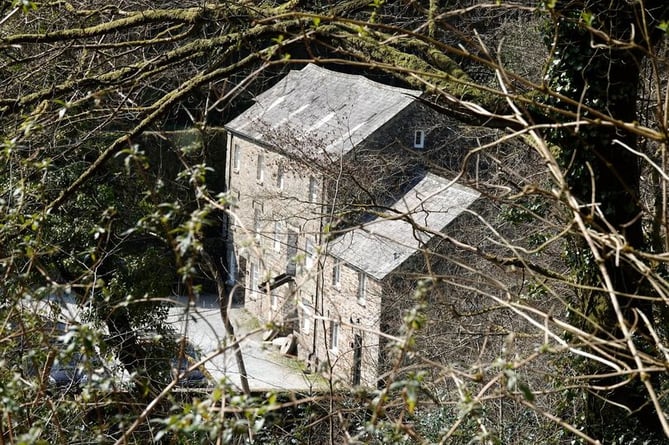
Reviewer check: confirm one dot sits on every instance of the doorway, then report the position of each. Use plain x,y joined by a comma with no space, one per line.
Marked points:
357,359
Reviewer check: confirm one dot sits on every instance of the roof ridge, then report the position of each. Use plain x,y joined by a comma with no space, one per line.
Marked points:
355,77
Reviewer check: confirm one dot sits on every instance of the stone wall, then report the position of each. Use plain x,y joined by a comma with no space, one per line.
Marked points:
264,214
342,307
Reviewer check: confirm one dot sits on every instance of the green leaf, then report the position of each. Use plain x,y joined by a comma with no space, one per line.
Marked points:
527,393
411,398
588,17
663,26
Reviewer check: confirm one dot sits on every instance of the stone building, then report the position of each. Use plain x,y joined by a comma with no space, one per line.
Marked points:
364,266
317,154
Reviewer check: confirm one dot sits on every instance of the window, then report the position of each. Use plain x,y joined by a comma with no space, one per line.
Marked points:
256,223
280,175
277,236
310,250
234,196
274,304
334,335
291,252
362,288
419,139
313,189
336,274
306,317
260,171
236,158
254,274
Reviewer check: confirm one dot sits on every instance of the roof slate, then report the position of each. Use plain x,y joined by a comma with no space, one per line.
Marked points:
319,107
382,245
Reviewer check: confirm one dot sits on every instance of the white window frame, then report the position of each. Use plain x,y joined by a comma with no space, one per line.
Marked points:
362,288
292,247
306,318
280,176
254,276
236,158
274,302
257,216
313,189
419,139
260,168
310,253
336,274
334,335
277,236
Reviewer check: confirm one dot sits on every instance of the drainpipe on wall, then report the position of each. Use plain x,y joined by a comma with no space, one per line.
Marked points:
228,161
231,267
318,305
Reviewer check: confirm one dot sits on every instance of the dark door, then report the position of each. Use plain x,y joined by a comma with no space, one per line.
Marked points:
357,359
240,286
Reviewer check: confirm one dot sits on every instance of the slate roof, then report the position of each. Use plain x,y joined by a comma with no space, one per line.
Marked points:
384,244
332,110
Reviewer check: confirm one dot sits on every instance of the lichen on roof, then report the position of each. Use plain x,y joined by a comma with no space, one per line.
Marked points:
315,104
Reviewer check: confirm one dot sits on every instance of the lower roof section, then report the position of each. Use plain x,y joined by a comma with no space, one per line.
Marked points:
382,245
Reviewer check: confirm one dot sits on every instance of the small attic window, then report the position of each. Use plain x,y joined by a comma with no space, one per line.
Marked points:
419,139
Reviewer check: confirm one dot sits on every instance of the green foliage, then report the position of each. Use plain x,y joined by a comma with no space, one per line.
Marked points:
549,4
26,5
525,209
95,209
113,247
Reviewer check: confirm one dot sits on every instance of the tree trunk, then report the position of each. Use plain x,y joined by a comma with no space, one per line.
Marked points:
224,299
604,175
